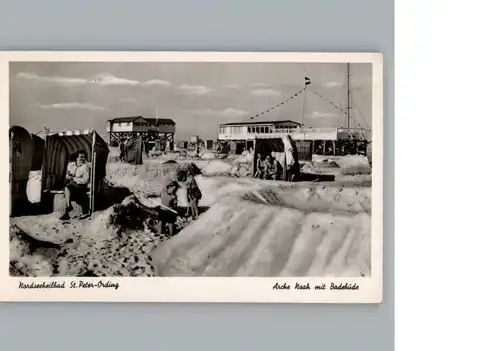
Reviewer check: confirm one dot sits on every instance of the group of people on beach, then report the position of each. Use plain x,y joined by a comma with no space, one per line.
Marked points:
169,199
78,178
268,168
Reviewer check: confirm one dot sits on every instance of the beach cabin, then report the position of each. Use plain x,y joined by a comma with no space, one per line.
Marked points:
21,158
38,150
59,148
151,130
285,151
133,150
305,150
209,144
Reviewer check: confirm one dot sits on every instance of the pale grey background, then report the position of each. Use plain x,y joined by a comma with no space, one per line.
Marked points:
228,25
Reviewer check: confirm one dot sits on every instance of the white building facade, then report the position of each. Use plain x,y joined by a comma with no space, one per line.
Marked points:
323,138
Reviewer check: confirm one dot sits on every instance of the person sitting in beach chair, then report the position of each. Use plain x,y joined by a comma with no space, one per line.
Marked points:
259,167
268,165
272,168
77,182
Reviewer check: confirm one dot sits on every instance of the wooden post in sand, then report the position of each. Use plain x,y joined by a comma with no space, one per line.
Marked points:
92,174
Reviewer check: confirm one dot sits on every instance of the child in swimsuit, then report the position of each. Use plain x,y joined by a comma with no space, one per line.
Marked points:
169,199
193,195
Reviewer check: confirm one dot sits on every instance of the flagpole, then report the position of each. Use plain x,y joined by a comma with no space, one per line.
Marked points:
303,102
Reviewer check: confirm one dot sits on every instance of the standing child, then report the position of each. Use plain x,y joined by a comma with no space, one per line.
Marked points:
122,150
193,195
169,200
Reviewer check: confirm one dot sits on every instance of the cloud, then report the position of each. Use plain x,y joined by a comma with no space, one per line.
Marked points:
195,89
265,92
157,82
103,79
333,84
228,112
53,80
107,79
232,86
317,114
73,106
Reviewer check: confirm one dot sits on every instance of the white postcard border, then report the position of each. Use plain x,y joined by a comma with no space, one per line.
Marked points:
201,289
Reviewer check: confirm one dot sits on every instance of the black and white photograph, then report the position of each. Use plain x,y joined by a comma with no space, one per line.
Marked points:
171,168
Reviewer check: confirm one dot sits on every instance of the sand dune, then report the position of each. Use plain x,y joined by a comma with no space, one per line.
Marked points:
252,236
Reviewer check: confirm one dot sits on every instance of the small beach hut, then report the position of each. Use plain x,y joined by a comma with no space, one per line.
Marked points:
38,149
285,151
59,147
21,158
133,150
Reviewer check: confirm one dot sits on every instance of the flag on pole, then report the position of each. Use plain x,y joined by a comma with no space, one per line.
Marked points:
307,80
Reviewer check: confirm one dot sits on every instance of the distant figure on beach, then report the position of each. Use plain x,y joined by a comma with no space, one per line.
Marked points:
193,195
77,180
259,167
169,200
122,150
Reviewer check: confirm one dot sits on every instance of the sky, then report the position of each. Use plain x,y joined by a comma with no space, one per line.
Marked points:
197,96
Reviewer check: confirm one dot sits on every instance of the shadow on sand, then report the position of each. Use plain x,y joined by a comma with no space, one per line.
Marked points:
110,196
307,177
201,209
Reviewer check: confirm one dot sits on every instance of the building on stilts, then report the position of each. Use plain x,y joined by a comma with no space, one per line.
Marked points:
347,137
155,132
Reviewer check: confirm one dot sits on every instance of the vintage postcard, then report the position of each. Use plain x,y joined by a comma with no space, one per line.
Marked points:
192,177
